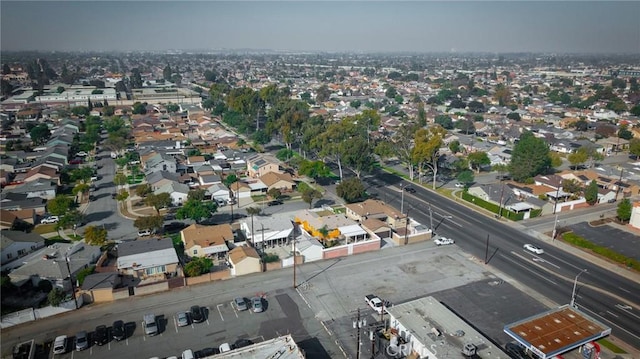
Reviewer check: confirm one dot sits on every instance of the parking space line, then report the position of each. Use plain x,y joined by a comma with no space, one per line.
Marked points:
127,341
207,315
234,308
175,323
91,350
109,345
220,312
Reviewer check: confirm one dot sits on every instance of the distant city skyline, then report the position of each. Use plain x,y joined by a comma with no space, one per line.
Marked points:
322,26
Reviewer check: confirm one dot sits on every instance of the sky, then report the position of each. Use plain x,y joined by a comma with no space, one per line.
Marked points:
331,26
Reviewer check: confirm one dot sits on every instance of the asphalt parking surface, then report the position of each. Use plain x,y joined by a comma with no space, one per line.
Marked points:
611,237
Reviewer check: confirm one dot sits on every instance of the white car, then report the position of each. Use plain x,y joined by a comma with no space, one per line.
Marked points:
459,185
443,241
533,249
144,233
82,154
50,219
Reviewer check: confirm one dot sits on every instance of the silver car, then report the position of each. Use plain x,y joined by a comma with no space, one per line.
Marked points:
183,319
256,303
241,304
82,341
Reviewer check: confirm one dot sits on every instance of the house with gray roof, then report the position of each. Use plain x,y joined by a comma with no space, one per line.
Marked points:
17,244
178,192
160,162
147,259
55,263
41,188
160,178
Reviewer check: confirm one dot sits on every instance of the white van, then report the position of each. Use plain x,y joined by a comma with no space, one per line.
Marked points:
60,345
224,347
188,354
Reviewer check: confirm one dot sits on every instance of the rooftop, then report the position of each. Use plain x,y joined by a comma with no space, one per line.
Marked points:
281,347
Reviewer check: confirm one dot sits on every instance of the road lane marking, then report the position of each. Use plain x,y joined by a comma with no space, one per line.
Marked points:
613,314
624,290
538,274
565,262
610,322
220,312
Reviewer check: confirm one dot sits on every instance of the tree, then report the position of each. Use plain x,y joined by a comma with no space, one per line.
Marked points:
514,116
139,108
274,193
196,210
314,169
425,153
80,111
466,177
323,93
384,149
167,72
83,273
454,146
478,159
59,205
95,236
624,210
634,147
71,219
6,69
444,121
40,134
355,104
6,88
56,296
173,108
502,94
309,195
120,179
351,190
158,201
357,154
230,179
591,193
529,158
571,186
578,158
122,196
624,132
197,194
152,223
143,189
198,266
556,160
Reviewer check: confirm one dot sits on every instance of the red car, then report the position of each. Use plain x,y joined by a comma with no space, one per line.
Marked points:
75,162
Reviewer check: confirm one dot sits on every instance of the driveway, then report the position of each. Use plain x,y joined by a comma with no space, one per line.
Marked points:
611,237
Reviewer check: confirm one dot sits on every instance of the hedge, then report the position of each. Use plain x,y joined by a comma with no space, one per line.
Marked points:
579,241
493,207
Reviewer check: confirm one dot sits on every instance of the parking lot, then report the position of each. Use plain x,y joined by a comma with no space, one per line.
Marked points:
611,237
223,323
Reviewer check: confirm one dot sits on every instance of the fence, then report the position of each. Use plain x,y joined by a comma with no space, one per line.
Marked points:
28,315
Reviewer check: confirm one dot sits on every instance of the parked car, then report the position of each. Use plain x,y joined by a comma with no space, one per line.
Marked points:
144,233
241,343
82,341
443,241
224,347
118,332
207,352
149,324
82,154
188,354
60,345
174,227
275,202
50,219
183,319
533,249
459,185
101,337
241,304
197,314
256,304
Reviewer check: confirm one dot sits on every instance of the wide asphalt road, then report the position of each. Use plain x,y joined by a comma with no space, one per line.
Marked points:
606,296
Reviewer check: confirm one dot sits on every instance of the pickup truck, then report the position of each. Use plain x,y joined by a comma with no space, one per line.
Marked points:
376,303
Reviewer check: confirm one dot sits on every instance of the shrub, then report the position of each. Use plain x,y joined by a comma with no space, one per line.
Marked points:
270,258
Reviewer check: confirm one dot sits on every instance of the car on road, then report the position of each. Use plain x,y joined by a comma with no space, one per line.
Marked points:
256,304
441,241
144,233
101,337
197,314
241,304
533,249
410,189
275,202
60,345
82,341
183,319
118,332
50,219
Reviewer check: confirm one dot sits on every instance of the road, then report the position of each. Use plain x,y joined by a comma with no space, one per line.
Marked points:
600,293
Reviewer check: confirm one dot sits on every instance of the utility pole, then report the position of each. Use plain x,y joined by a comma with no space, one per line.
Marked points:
73,287
555,204
402,199
486,250
501,196
555,224
406,229
294,258
358,324
619,183
431,219
573,293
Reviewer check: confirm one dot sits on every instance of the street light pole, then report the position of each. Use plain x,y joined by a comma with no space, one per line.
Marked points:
431,219
402,199
555,225
573,293
73,287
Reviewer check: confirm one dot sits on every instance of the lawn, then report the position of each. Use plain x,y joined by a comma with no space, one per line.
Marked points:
45,228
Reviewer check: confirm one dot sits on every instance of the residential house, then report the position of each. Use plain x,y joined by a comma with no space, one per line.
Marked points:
218,193
240,189
282,181
55,263
260,164
308,247
100,286
207,241
42,188
39,172
268,231
158,179
208,180
19,201
148,259
8,219
17,244
179,192
159,162
373,208
244,260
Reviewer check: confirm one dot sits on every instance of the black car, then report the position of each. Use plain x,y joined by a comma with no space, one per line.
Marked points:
101,337
515,351
118,332
207,352
113,196
410,189
197,315
275,203
241,343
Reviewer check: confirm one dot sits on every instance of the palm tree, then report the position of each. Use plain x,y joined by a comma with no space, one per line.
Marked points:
253,211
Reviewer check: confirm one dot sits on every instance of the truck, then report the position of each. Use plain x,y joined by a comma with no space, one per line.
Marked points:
376,303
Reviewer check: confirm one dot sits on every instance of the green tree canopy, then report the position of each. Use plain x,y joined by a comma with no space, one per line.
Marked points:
314,169
634,147
230,179
478,159
40,134
530,157
60,205
309,195
152,223
591,193
158,201
196,210
143,189
95,236
197,194
624,210
56,296
466,177
198,266
351,190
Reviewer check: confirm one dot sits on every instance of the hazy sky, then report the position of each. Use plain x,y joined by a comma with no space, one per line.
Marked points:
366,26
